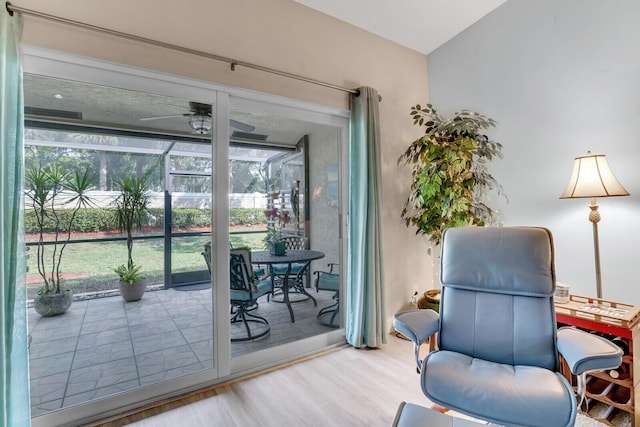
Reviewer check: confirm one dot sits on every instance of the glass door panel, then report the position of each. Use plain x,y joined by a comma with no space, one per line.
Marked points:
189,235
105,348
293,163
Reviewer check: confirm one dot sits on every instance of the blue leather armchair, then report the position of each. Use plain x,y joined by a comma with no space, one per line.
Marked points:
497,357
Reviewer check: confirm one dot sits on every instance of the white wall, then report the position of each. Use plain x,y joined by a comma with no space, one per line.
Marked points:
280,34
561,78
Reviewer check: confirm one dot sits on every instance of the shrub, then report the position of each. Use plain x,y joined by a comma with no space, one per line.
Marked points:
246,216
101,219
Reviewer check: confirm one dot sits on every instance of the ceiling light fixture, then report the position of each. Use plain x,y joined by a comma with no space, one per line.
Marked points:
58,96
200,123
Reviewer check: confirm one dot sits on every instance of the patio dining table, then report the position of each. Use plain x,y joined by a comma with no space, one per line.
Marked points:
290,257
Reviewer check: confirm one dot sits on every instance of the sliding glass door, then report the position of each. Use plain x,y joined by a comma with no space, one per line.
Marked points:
225,169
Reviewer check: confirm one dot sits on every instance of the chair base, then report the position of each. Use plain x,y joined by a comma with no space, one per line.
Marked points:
247,319
295,294
330,311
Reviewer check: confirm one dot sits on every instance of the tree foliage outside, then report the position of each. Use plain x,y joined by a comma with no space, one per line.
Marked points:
450,178
107,165
246,177
109,159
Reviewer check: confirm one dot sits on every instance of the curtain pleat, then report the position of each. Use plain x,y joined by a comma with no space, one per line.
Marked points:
14,354
365,316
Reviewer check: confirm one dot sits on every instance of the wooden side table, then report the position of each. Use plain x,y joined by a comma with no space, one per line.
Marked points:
609,319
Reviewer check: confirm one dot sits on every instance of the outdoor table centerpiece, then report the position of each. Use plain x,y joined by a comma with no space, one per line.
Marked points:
276,218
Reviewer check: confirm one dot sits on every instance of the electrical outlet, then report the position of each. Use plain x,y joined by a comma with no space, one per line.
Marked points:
414,296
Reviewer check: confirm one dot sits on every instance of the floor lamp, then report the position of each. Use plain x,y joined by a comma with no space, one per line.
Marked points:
591,178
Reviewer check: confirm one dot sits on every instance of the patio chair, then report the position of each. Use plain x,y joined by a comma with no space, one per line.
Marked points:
258,272
497,357
329,281
297,274
245,291
206,254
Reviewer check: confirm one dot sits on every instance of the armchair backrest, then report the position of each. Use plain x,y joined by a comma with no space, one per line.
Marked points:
207,255
497,295
295,242
239,272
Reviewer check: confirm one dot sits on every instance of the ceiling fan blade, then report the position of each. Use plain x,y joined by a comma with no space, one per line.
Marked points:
244,127
165,117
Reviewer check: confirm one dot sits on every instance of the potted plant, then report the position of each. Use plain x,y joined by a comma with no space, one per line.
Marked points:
131,208
272,240
55,197
450,179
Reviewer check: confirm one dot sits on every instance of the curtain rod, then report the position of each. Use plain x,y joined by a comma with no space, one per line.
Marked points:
233,62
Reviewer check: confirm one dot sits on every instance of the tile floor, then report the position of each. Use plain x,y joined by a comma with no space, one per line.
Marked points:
104,346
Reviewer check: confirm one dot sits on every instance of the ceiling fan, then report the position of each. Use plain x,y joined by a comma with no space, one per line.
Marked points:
200,119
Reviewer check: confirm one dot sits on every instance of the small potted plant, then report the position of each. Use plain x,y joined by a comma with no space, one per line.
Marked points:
272,240
131,208
55,197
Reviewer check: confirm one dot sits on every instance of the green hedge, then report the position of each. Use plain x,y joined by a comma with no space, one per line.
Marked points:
101,219
87,220
246,216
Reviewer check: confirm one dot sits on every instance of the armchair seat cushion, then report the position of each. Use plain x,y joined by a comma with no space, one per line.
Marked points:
502,394
328,282
296,267
262,287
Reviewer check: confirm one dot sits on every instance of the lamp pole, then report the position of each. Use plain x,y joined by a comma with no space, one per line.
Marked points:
594,217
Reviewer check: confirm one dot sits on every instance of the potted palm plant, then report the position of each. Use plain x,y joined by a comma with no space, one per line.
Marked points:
449,170
55,197
131,208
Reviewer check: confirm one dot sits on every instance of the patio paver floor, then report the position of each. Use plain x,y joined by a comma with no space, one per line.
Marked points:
104,346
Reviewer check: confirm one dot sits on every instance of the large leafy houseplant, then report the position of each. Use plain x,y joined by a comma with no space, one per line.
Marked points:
131,209
56,197
450,179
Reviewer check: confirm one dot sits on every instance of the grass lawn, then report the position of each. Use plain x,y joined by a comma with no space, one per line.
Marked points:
88,267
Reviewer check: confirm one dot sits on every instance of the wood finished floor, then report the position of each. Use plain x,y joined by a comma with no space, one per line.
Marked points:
344,387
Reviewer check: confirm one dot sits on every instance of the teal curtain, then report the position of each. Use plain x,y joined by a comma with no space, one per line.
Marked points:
365,316
14,375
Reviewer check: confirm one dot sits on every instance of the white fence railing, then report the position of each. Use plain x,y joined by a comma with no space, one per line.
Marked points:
105,199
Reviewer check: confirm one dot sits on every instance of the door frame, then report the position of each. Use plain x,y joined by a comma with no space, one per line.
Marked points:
67,66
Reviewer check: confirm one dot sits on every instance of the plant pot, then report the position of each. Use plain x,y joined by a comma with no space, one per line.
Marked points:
277,248
47,305
132,292
430,299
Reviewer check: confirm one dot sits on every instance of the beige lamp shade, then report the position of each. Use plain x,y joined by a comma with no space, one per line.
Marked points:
592,177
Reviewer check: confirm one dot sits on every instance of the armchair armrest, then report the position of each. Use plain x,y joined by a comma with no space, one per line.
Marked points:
417,325
586,352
